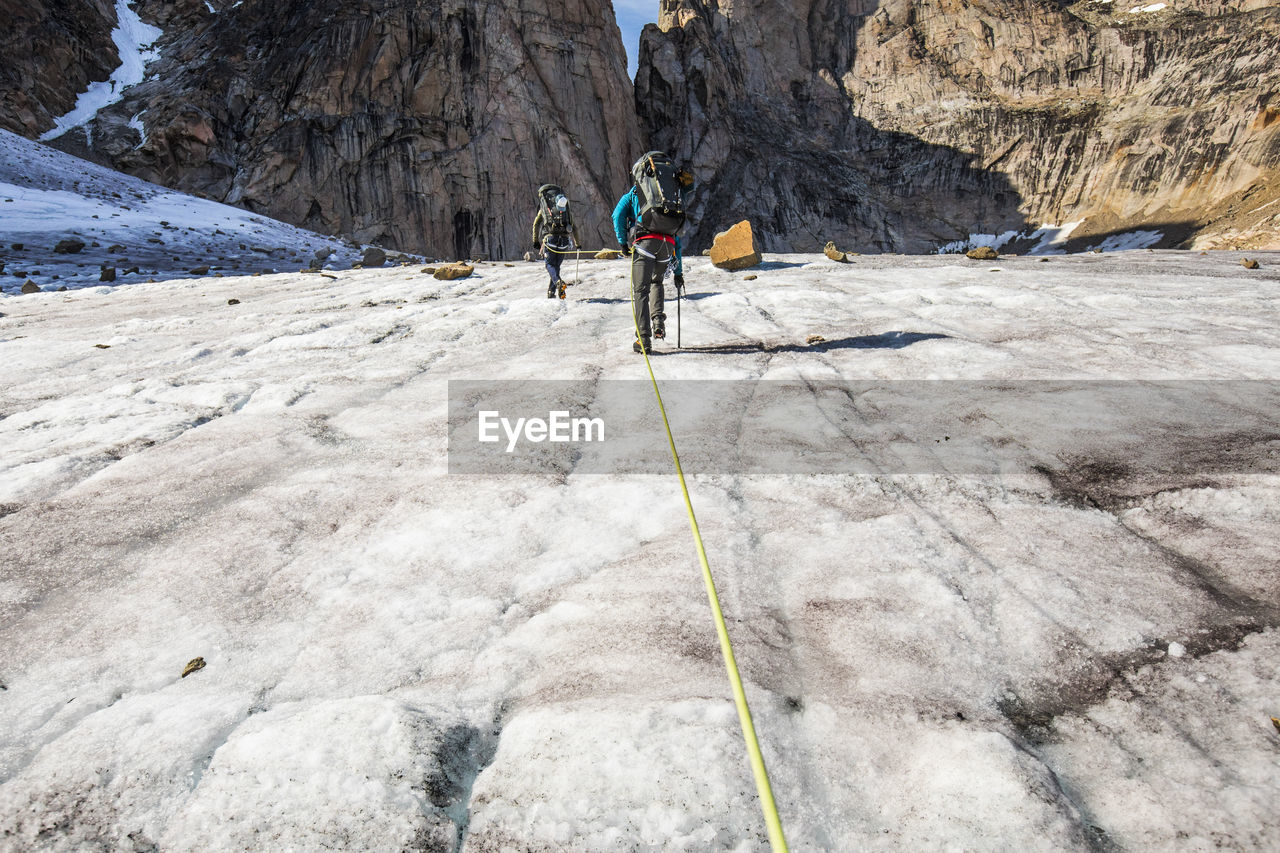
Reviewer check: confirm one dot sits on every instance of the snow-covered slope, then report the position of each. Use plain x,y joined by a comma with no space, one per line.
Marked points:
1068,656
143,231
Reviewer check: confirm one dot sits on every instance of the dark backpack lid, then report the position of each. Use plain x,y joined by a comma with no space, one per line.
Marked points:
657,158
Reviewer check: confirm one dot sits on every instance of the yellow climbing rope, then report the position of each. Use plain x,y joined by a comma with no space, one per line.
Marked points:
773,823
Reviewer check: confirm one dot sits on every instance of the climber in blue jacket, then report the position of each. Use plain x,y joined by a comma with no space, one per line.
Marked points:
651,253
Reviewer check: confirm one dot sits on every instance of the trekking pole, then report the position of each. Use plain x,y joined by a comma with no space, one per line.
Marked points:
679,299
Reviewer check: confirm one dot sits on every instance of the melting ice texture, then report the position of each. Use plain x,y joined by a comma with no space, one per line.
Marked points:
1067,657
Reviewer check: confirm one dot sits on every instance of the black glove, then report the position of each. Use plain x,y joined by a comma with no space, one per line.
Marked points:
679,282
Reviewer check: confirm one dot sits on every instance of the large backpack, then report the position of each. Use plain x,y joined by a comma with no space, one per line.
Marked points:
658,191
557,221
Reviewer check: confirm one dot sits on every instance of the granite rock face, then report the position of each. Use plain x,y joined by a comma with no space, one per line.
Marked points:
53,50
419,126
883,125
900,125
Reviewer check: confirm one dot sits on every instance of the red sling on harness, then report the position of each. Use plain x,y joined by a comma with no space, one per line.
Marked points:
666,238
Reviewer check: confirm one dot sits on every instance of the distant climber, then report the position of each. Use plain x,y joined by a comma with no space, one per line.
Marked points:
553,229
646,221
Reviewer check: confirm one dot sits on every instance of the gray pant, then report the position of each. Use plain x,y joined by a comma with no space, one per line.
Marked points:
648,266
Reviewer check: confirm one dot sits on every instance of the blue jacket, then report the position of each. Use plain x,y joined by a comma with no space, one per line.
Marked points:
626,213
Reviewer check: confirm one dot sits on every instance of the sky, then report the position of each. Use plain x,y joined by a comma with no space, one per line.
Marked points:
981,651
632,16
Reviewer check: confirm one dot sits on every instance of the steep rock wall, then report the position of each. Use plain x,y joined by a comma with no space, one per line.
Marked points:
423,126
903,124
52,50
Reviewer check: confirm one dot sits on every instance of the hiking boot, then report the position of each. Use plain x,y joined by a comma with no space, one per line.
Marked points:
560,286
635,347
551,292
659,331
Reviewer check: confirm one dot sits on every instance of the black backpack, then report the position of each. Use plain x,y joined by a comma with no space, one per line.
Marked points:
557,221
659,193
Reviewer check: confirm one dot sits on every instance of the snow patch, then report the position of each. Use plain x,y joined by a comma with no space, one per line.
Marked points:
134,41
1130,241
136,123
1155,7
995,241
1050,239
54,195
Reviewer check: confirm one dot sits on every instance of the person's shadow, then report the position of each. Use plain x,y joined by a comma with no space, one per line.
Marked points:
885,340
778,265
689,297
606,300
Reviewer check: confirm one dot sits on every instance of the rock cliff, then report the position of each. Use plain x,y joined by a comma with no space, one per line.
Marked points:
898,125
421,126
890,125
52,50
